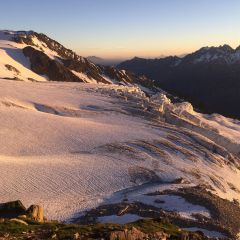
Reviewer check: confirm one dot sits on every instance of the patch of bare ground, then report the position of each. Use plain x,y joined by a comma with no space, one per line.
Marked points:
152,212
224,213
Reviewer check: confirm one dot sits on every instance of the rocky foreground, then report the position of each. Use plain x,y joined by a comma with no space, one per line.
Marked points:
17,222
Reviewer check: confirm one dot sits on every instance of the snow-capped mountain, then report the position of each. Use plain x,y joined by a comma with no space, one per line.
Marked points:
221,54
93,144
30,56
209,78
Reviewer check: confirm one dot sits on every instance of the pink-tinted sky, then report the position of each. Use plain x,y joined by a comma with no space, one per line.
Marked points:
127,28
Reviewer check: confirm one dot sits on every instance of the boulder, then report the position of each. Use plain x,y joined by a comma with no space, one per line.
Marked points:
160,235
12,209
133,234
35,212
76,236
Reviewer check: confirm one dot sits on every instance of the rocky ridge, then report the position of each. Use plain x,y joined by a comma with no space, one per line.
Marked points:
65,65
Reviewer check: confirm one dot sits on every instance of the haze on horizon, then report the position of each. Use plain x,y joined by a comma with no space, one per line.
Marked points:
128,28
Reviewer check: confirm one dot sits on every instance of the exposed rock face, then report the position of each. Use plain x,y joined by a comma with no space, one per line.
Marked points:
66,61
27,38
11,68
12,209
16,210
43,65
69,59
135,234
92,71
127,77
35,212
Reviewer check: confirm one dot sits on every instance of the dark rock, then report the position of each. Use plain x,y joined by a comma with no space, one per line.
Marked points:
135,234
35,212
43,65
180,181
12,209
13,69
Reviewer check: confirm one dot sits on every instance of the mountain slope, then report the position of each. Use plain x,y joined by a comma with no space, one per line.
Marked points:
13,63
31,56
209,78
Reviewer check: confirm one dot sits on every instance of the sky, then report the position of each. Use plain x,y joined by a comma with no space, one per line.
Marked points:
127,28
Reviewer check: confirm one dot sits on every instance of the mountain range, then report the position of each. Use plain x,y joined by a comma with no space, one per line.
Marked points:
209,78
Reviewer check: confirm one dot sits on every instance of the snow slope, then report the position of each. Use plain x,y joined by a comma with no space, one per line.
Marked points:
71,146
11,54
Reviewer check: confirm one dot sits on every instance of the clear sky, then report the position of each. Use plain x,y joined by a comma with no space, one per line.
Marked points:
127,28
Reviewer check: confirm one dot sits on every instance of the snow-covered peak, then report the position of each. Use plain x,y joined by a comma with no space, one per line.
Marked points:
13,63
222,54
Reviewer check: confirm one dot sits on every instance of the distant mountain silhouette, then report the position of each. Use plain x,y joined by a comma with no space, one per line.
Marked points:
104,61
209,78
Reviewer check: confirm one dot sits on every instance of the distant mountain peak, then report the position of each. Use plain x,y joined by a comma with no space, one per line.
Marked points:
226,47
94,57
237,48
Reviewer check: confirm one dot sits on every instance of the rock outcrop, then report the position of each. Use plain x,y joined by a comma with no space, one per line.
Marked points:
16,210
50,58
135,234
43,65
12,209
35,212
